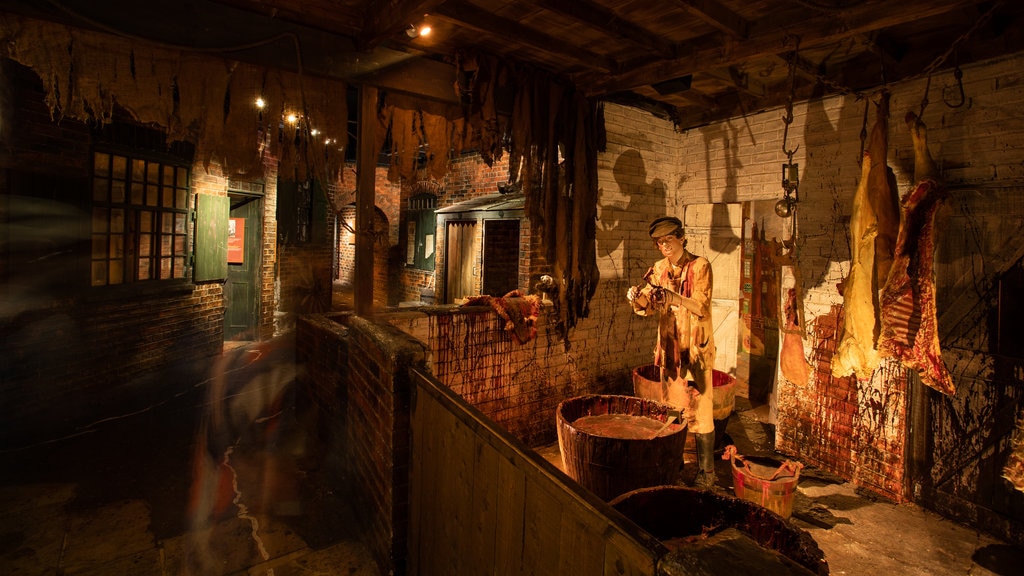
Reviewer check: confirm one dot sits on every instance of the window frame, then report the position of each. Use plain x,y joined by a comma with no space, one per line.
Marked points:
140,218
422,230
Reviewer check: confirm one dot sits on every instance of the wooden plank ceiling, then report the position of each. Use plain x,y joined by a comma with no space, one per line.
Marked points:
694,61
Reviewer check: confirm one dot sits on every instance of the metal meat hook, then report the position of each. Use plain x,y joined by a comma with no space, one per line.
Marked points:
959,75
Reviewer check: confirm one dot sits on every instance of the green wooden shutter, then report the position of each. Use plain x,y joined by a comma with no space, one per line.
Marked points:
212,214
319,223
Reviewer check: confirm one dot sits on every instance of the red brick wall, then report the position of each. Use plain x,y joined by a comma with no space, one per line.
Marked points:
378,440
382,288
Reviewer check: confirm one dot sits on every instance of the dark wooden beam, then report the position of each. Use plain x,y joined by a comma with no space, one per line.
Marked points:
485,22
611,24
366,188
420,77
742,81
716,15
736,105
773,35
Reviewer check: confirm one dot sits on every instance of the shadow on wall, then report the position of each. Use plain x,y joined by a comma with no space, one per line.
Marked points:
720,194
637,199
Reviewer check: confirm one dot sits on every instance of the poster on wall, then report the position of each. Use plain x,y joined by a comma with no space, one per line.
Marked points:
236,240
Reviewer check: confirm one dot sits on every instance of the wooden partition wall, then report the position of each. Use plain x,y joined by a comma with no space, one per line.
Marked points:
481,503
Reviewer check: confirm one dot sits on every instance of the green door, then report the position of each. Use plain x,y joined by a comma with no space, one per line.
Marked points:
241,291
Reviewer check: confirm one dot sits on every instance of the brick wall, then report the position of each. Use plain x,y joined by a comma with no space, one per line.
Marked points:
518,385
346,254
378,441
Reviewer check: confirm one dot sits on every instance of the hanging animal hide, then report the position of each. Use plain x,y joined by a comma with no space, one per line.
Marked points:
201,99
518,311
791,358
873,230
910,326
547,116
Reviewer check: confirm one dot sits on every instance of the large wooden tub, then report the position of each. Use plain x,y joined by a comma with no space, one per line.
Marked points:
613,444
687,521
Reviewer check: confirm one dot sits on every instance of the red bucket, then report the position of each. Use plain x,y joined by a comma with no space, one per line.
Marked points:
764,481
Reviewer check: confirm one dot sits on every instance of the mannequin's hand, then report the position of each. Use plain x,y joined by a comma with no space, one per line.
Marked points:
638,297
632,293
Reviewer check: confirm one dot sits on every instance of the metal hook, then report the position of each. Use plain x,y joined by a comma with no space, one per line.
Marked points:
959,75
787,120
924,99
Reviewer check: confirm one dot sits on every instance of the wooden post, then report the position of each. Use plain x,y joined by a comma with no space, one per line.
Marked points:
366,168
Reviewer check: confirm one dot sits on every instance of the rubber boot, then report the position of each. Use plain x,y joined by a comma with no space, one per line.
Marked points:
705,444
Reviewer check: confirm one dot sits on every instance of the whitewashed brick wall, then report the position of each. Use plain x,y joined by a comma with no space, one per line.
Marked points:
649,170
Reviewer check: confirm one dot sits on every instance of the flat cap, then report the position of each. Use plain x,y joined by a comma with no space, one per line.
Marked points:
664,226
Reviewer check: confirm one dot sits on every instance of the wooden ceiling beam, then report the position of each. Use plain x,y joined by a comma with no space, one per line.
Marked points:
735,105
742,81
420,77
716,15
771,36
609,23
484,22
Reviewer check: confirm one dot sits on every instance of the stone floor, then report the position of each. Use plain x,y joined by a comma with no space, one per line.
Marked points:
227,476
859,533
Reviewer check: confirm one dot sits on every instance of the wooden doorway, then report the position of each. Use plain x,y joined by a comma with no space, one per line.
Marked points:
241,290
460,259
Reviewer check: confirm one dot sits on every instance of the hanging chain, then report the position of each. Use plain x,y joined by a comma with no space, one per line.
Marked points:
788,118
864,131
924,98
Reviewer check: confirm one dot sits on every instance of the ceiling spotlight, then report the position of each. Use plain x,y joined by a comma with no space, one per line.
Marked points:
412,32
425,30
260,103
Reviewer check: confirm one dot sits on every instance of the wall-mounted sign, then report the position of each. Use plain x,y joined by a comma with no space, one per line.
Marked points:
236,240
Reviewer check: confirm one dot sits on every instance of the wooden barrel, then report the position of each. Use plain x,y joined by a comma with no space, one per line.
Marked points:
724,396
621,452
681,517
647,384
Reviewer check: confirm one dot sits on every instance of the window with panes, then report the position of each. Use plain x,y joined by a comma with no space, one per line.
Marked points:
139,219
422,224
